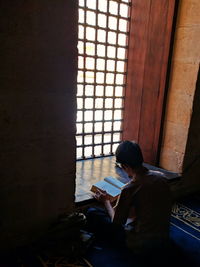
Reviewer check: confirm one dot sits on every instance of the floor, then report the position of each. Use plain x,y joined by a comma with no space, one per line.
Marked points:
67,248
182,250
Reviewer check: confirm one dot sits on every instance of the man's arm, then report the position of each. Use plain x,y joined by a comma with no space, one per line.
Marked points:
122,209
110,209
103,197
125,207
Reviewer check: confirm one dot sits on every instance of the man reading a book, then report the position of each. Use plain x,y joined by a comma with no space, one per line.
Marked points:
142,214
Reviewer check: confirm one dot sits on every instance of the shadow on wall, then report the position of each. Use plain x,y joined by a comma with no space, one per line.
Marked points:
191,163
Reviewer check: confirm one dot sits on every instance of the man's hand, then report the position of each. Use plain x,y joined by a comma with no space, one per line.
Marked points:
101,196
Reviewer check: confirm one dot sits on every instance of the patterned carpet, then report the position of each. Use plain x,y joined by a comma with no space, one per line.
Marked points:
185,228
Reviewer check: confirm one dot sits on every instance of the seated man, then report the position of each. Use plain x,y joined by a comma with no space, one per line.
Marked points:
144,206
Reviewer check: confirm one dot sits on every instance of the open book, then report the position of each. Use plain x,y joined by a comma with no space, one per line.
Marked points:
111,185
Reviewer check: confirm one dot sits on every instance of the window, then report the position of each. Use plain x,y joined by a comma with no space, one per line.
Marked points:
102,61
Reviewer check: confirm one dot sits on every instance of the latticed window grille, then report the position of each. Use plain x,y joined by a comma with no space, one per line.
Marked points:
102,60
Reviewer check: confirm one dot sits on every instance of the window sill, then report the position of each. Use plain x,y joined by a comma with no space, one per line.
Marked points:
91,171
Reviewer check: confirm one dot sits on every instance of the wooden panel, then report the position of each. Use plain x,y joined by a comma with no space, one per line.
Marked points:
147,68
136,61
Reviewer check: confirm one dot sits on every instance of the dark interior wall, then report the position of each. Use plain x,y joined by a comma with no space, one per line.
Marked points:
191,170
38,59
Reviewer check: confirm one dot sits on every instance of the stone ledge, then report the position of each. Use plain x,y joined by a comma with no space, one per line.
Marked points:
90,171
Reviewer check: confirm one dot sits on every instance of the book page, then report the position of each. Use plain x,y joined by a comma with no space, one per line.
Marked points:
109,188
114,181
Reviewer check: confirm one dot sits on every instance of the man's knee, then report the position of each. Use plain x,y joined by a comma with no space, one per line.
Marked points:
96,212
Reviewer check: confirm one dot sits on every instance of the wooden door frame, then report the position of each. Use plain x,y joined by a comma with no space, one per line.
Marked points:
148,57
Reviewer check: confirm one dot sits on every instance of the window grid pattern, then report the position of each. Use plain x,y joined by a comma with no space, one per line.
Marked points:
102,60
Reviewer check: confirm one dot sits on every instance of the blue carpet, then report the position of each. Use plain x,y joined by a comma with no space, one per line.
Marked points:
184,249
185,228
103,256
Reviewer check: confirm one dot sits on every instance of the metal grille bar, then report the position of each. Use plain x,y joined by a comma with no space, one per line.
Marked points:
102,46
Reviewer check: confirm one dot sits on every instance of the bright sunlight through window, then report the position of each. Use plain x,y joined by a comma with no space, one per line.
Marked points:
102,47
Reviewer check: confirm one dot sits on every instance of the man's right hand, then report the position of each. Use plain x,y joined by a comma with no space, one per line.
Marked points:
101,196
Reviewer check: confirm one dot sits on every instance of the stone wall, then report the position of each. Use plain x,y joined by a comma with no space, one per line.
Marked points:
38,54
183,78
